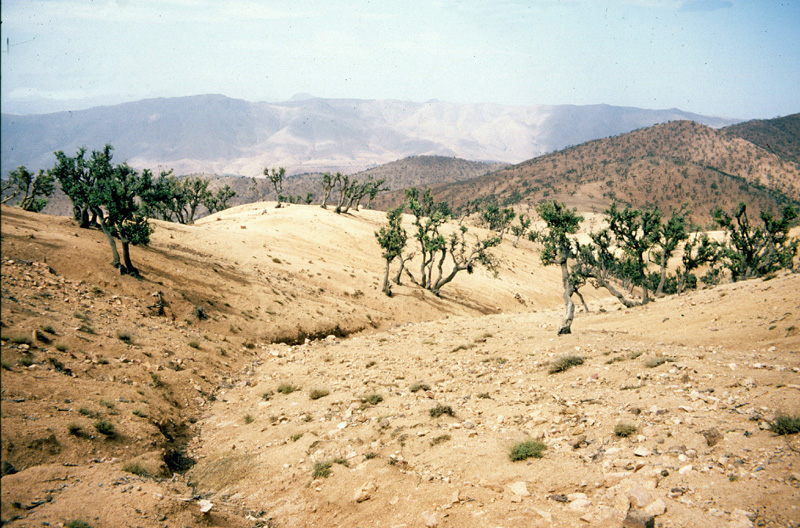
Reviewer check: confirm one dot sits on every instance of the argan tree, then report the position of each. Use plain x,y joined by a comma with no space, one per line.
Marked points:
436,249
756,250
118,204
497,219
328,183
218,201
636,231
560,223
33,189
667,239
522,228
392,240
77,181
275,177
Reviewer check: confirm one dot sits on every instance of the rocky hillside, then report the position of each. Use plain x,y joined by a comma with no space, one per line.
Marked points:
665,165
219,135
279,387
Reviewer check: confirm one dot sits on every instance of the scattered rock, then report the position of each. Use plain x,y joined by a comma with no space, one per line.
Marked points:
430,519
712,436
205,505
641,451
639,497
519,488
656,508
638,519
365,491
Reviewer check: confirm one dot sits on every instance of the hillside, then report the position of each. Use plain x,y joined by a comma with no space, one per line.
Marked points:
665,165
219,135
780,136
214,390
83,345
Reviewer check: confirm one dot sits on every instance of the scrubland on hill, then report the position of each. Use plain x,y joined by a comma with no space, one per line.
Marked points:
305,397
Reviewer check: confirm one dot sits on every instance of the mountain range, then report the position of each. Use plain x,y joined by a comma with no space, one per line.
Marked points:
219,135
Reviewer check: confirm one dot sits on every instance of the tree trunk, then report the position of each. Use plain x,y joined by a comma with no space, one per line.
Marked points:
126,259
616,293
516,240
111,242
387,287
583,301
663,274
569,306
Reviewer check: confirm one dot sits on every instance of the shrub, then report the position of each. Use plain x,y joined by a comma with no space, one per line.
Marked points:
42,338
372,399
49,329
26,360
21,340
76,430
266,396
341,462
62,347
125,337
527,449
248,418
370,455
439,439
784,424
656,361
106,428
136,469
420,387
624,430
287,388
318,393
296,437
194,344
77,523
440,410
484,396
321,469
140,413
565,362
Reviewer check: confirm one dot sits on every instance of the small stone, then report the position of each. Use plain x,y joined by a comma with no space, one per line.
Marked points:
519,488
641,451
580,504
712,436
638,519
205,505
656,508
365,491
430,519
639,497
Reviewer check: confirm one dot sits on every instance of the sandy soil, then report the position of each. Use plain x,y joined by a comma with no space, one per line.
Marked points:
292,296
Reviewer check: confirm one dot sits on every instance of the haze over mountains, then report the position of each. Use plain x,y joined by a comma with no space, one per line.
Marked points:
217,134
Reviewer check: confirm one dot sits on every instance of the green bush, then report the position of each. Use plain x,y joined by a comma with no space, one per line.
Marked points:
372,399
287,388
321,469
527,449
784,424
106,428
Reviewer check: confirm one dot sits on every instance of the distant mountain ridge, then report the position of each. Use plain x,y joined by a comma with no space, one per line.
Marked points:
666,165
220,135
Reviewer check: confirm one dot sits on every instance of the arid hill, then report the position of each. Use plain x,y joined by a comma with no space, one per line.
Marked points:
665,165
305,397
780,136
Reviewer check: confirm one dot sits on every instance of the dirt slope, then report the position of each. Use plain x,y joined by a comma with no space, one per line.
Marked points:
178,385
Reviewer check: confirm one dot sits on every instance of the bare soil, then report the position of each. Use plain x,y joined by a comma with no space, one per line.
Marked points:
291,296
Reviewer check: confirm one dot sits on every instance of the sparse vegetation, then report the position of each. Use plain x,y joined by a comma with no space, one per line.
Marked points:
372,399
137,469
440,410
316,394
658,361
322,469
784,424
419,387
105,428
287,388
77,523
527,449
248,418
125,337
565,362
624,430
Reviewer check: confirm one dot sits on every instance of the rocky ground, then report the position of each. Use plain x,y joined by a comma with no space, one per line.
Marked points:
328,430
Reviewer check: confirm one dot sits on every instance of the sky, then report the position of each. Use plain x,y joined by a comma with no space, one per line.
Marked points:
728,58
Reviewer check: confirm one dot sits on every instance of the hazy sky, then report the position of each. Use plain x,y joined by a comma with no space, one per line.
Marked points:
731,58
